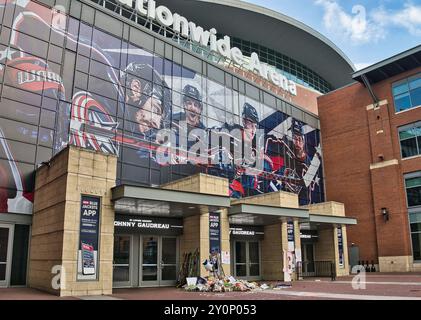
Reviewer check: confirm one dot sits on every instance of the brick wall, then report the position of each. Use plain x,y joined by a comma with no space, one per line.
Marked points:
363,165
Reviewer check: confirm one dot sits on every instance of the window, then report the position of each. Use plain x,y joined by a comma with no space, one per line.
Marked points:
413,191
407,93
410,139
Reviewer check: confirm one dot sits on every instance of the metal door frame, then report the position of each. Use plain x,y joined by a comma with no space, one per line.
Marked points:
6,283
126,284
168,283
305,260
159,282
247,277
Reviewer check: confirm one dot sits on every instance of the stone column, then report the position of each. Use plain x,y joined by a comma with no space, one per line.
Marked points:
56,221
196,228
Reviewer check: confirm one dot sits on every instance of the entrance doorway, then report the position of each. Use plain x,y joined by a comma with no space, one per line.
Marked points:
159,261
145,260
308,266
6,236
247,260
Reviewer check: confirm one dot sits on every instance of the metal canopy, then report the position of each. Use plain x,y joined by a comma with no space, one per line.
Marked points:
395,65
260,215
315,218
165,203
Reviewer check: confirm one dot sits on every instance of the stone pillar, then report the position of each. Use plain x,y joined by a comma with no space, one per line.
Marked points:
325,246
196,228
272,257
56,221
276,239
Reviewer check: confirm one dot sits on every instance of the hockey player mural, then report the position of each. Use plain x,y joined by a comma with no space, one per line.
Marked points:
128,97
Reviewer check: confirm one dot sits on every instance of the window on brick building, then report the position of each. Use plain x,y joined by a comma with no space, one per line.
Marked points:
413,191
415,219
410,139
407,93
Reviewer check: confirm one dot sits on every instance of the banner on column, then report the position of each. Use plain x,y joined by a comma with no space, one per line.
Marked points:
214,232
88,238
291,236
341,247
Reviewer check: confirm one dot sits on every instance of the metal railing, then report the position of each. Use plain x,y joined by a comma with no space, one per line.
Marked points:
308,269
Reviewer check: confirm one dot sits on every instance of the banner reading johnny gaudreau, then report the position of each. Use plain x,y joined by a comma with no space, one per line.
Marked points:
163,120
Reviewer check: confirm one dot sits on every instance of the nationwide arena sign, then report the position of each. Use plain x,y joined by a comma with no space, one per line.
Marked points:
189,30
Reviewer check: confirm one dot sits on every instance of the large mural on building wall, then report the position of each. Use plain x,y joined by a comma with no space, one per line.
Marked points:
64,81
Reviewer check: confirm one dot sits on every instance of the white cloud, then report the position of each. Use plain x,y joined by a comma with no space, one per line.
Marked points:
360,26
409,18
355,26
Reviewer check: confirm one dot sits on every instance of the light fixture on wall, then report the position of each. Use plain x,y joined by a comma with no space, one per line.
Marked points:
385,214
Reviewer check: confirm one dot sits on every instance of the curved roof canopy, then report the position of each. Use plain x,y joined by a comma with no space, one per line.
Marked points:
270,29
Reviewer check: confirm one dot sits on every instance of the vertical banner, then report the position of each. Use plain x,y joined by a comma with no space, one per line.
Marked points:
291,236
88,238
340,247
214,232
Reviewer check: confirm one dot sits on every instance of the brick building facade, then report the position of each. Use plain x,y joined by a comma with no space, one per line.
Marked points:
365,165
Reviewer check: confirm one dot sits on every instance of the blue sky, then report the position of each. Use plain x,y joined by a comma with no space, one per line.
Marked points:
367,31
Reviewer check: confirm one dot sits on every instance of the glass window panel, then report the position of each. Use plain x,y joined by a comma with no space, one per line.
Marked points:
254,270
20,255
402,102
169,273
4,241
19,131
415,82
48,119
19,111
85,39
121,274
254,252
419,145
216,94
21,151
416,227
240,252
121,249
415,217
55,53
103,40
416,97
169,250
43,154
2,271
408,133
414,196
409,148
414,182
150,273
150,250
241,270
416,246
45,137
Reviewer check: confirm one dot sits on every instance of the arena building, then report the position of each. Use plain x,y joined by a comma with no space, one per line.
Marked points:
134,134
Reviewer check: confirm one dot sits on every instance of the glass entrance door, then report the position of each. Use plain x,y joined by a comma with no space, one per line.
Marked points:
122,260
159,261
5,254
308,260
247,260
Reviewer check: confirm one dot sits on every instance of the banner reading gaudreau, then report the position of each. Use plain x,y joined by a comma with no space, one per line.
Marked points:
88,238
